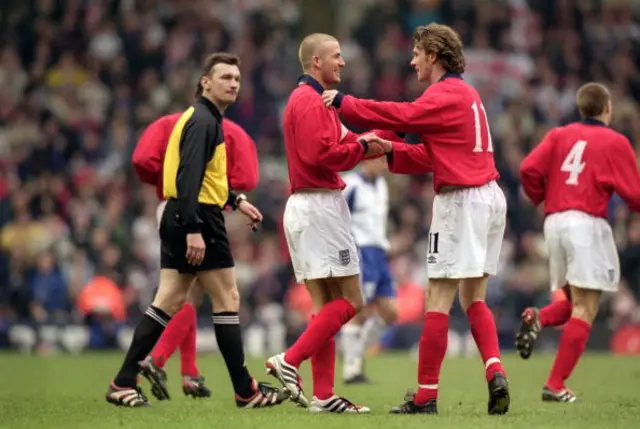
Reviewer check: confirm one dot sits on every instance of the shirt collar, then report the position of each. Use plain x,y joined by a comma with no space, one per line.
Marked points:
211,107
309,80
450,75
591,121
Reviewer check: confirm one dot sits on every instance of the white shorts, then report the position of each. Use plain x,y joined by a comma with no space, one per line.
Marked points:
317,226
582,251
160,211
466,232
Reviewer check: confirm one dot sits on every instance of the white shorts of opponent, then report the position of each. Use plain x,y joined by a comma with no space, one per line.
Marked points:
160,211
582,251
317,226
466,233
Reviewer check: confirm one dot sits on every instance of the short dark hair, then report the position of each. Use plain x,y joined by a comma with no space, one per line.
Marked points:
444,42
210,62
592,99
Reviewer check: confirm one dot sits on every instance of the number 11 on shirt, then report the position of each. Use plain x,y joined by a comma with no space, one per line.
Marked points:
476,120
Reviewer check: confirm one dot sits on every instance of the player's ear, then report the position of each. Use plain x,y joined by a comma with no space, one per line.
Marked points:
204,81
315,61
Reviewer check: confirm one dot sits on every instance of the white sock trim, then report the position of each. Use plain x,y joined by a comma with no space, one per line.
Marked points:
428,386
491,361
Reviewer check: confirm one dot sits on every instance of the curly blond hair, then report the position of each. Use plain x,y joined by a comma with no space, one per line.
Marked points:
444,42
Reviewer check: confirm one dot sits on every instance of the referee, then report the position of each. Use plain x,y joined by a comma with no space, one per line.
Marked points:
194,241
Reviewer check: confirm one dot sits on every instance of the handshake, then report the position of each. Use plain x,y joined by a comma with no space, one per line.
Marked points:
376,146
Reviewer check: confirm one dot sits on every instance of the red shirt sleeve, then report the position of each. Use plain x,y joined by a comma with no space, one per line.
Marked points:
409,159
318,146
533,170
415,117
242,157
623,173
352,137
148,156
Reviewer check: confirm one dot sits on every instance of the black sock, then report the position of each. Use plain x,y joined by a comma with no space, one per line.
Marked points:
229,337
144,338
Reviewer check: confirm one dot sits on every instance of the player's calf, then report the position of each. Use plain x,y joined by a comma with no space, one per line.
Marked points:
574,340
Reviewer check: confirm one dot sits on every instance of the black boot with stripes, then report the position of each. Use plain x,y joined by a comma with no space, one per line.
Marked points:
336,404
265,396
126,396
288,376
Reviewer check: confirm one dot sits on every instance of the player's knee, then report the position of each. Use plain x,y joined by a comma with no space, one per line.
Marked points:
466,302
585,306
228,301
195,295
170,303
440,295
472,290
357,301
389,315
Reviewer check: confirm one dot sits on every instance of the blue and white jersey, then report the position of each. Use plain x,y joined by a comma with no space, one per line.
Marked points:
368,202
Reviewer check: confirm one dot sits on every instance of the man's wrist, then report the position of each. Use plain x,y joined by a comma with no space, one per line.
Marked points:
365,146
239,199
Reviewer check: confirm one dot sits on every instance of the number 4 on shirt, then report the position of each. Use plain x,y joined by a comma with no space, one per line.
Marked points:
573,164
476,121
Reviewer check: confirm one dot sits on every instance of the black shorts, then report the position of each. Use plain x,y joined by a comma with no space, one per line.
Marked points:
174,240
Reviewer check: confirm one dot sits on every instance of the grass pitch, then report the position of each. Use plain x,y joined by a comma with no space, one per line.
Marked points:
68,392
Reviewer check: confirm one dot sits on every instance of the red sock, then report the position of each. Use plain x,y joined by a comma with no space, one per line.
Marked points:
485,334
572,345
188,346
555,314
433,347
173,335
323,369
323,327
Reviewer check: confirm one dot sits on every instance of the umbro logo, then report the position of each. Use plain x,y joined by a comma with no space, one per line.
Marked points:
431,259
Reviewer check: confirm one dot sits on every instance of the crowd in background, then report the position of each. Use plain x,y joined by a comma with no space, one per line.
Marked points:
79,80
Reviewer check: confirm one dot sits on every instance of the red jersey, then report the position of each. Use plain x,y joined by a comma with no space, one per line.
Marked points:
578,167
451,121
409,159
317,144
242,157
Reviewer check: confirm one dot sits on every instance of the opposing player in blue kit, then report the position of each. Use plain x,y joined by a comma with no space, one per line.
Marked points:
367,196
